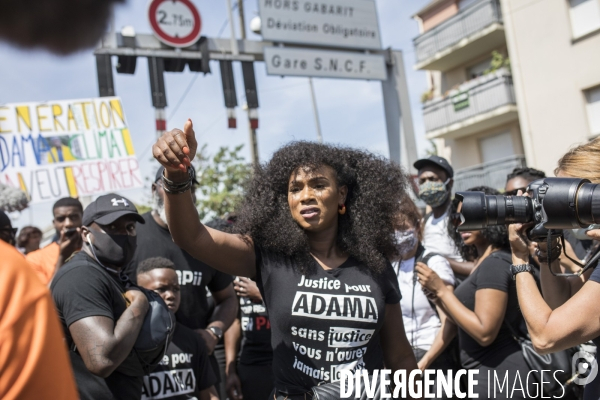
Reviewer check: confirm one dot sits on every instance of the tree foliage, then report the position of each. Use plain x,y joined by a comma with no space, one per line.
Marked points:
221,178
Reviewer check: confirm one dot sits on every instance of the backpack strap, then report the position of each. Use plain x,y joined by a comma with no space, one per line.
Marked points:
425,258
427,216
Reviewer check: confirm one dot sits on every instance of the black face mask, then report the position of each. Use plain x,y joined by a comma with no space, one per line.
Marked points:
113,249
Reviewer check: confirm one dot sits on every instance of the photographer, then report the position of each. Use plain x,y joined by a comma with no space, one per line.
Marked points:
519,179
482,307
572,299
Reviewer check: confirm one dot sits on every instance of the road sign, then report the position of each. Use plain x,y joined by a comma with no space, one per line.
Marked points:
336,23
176,23
324,63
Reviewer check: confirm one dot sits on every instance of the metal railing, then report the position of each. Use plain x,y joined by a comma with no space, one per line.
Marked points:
480,98
464,24
492,174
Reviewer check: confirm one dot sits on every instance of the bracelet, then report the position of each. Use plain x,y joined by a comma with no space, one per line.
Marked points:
517,269
172,187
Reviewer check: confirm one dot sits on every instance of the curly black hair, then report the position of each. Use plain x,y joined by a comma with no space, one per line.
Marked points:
529,174
496,235
152,263
366,231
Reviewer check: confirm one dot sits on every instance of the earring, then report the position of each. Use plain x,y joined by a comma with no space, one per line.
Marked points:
342,209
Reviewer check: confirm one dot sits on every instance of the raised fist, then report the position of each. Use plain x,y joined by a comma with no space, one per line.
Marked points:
176,149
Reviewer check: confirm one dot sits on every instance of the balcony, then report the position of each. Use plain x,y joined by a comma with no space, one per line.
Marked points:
492,174
474,31
484,103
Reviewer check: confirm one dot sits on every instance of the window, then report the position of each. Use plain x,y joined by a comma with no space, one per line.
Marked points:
585,16
496,147
592,97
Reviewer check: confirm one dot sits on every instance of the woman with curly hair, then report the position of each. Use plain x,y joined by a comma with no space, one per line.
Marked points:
467,252
314,230
484,306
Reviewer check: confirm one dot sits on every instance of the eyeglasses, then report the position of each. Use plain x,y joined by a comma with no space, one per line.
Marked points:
515,191
13,231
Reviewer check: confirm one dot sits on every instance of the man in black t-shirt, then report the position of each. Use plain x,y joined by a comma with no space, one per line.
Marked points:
100,317
154,240
185,371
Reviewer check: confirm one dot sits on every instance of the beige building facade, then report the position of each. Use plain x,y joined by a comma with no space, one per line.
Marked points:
509,83
554,48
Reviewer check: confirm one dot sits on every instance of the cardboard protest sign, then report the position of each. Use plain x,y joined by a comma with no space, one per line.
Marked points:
67,148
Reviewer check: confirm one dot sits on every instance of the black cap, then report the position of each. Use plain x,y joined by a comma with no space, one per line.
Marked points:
440,162
4,220
108,208
159,174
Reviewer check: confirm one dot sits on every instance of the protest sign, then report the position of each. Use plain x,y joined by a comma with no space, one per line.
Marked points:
65,148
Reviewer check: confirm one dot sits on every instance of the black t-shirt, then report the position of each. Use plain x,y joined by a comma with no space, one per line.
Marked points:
194,276
184,371
256,330
82,288
325,322
492,273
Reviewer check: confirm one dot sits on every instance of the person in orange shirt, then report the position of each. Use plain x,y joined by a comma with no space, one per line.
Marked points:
34,362
67,222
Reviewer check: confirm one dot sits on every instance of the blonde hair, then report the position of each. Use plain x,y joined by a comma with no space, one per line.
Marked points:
582,161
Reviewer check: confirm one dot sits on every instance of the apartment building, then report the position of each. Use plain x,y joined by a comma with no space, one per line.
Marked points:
554,48
499,75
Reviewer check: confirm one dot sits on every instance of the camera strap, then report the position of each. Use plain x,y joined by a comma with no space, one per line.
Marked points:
589,263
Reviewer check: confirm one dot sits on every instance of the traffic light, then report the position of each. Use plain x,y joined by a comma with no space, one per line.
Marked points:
106,85
229,93
174,64
126,64
157,87
251,92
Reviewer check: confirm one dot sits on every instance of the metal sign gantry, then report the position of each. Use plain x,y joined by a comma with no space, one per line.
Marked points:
399,124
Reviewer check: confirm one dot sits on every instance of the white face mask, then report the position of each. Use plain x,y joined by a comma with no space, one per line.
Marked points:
406,241
158,205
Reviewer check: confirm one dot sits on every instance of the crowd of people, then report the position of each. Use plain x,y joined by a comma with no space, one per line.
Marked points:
327,265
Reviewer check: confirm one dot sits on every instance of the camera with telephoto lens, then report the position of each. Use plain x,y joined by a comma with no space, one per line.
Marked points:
554,204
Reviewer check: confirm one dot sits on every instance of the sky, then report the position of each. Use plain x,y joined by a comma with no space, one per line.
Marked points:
350,111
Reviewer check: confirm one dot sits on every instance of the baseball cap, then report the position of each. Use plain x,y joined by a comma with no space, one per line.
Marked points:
109,208
159,174
440,162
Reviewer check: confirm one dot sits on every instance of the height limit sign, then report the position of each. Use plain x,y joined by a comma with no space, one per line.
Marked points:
176,23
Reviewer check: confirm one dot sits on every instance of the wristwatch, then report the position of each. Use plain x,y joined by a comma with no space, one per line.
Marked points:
516,269
218,332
